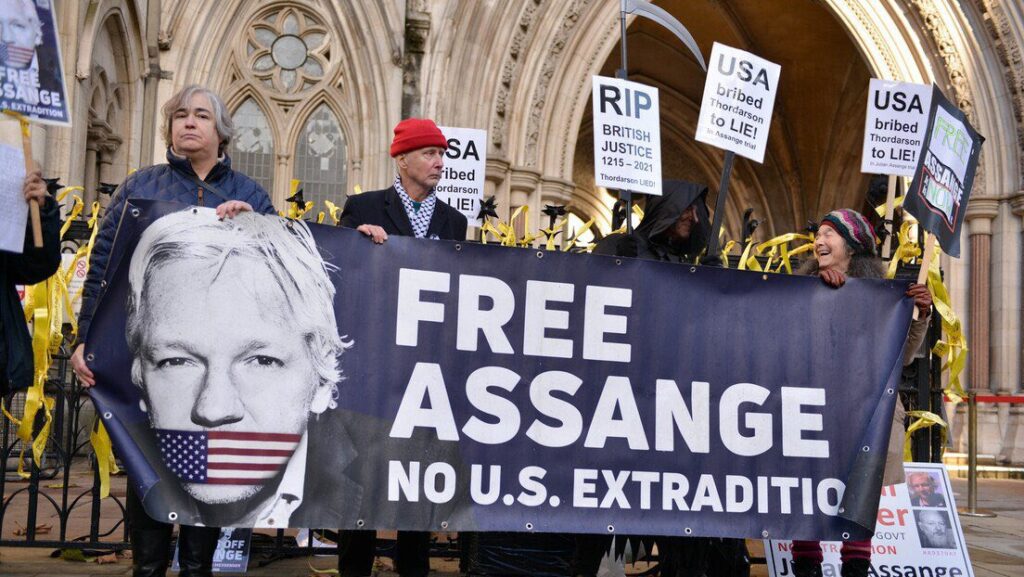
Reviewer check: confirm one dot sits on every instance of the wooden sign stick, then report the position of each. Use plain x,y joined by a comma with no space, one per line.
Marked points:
929,254
33,205
890,201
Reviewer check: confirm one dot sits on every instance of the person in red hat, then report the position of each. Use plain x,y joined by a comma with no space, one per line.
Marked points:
408,208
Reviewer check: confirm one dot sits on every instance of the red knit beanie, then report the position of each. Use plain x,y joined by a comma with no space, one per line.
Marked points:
416,133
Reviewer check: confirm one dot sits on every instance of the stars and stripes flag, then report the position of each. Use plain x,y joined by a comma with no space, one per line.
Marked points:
16,55
225,457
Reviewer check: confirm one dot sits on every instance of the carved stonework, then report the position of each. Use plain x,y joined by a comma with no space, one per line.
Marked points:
570,19
956,71
1011,56
286,50
509,71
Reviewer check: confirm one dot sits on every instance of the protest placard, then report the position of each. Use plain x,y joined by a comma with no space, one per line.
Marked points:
13,208
627,136
894,126
232,553
465,166
942,183
917,533
31,72
739,95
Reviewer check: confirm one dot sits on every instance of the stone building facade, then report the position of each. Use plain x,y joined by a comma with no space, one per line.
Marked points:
315,87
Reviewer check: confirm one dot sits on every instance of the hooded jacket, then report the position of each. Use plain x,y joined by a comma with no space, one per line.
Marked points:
649,240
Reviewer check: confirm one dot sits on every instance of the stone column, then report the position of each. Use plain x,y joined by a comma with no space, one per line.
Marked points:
282,178
495,177
523,183
1012,449
92,147
980,213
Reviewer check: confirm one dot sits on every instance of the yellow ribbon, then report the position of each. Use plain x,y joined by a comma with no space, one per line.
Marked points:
906,250
105,460
922,420
334,211
897,202
586,226
551,232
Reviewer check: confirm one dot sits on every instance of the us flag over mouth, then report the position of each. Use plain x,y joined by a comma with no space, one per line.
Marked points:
225,457
15,55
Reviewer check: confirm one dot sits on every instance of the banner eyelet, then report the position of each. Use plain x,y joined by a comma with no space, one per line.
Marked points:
611,528
108,415
172,516
360,523
693,269
888,391
846,536
195,210
866,449
458,247
618,261
764,533
136,212
444,524
540,254
90,357
764,277
688,531
529,526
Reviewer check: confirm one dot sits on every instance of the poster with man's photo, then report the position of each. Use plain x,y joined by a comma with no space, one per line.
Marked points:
917,531
31,70
945,171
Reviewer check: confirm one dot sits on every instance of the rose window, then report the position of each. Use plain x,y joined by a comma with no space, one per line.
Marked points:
288,50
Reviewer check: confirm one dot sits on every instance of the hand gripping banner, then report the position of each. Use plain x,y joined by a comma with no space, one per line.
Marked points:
266,372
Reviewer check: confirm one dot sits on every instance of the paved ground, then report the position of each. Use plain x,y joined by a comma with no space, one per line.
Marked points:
996,546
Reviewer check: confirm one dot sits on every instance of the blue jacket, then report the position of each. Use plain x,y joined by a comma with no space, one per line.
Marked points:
176,182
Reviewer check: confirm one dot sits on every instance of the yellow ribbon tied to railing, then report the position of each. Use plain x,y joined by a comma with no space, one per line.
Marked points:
583,229
906,250
551,234
922,420
105,460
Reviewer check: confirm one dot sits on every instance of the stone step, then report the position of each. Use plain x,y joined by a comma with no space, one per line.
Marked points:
988,467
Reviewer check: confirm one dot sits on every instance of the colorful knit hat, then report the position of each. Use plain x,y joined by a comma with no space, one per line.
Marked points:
416,133
853,227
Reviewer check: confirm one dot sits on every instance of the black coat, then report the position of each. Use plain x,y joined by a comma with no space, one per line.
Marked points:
649,241
32,266
384,209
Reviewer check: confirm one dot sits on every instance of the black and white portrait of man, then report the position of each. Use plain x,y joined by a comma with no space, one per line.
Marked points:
235,349
934,529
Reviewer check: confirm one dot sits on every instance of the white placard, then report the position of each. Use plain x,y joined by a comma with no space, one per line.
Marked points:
627,136
465,166
917,532
895,126
739,96
77,280
13,208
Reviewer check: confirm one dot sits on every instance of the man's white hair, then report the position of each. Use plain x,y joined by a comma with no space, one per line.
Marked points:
285,247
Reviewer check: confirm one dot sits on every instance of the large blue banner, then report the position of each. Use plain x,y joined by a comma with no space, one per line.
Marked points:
264,372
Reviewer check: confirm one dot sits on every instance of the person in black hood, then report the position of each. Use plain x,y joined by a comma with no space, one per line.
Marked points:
676,226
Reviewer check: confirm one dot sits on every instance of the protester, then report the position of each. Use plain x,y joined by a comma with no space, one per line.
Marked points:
32,266
197,129
675,228
408,208
922,491
845,246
